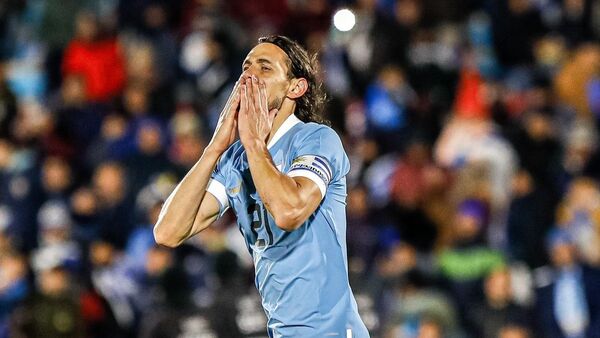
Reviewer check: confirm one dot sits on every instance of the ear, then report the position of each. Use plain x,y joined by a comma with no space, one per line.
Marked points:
297,88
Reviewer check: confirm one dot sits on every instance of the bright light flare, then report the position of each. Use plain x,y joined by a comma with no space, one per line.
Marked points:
344,20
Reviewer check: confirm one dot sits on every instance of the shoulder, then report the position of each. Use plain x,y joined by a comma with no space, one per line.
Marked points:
317,132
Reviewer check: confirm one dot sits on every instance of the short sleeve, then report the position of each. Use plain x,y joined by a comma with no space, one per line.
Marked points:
217,183
319,156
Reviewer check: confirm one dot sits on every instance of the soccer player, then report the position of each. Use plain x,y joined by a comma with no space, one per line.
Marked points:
285,179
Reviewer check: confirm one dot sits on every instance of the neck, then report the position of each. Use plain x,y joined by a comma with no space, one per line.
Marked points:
287,108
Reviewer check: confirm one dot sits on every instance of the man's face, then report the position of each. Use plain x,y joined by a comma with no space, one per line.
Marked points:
269,63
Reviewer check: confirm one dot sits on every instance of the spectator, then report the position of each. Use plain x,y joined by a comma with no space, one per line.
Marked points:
498,310
97,59
388,101
468,260
579,214
14,286
567,296
115,212
114,281
150,157
531,213
416,303
55,244
57,179
52,311
75,121
514,331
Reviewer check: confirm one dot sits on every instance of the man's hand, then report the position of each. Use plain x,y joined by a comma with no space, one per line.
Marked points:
226,130
255,121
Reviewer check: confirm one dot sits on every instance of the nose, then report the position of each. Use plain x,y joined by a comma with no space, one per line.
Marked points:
247,74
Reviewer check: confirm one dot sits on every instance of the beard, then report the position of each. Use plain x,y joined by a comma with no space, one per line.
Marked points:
275,103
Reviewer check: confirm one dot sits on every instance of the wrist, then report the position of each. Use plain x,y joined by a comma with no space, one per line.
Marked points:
254,145
212,151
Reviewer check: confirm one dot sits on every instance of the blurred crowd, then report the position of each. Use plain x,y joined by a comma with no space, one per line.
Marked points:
471,126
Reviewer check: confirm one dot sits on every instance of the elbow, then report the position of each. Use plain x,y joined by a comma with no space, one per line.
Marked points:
288,220
163,237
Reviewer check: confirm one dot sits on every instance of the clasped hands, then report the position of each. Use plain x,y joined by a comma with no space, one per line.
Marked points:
246,114
254,119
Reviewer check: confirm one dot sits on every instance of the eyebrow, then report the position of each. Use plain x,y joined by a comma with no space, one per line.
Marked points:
260,60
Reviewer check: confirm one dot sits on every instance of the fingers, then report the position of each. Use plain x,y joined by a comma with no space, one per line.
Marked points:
232,102
232,111
264,105
243,99
256,95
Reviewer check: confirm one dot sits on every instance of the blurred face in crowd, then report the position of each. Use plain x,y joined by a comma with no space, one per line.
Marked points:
158,260
269,63
113,127
101,253
53,282
417,154
73,90
519,6
402,258
109,182
136,100
574,7
86,27
550,51
12,268
6,151
58,235
408,12
155,16
149,139
538,126
357,202
583,195
84,202
188,149
513,332
563,254
56,174
391,77
498,288
429,329
522,183
466,226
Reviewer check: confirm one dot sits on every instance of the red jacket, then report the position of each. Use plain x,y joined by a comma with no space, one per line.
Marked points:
101,65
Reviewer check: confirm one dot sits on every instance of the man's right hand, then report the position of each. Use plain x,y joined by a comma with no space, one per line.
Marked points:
226,130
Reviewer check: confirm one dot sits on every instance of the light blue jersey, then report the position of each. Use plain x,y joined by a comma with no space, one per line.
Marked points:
302,276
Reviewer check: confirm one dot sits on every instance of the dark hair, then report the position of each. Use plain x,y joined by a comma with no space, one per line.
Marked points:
302,65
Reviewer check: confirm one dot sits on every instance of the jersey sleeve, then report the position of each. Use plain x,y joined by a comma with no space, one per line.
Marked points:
320,157
216,184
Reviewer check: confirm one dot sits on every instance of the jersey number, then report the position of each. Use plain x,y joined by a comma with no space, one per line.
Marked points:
261,220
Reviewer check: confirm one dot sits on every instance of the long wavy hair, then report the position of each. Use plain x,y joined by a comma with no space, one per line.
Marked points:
309,107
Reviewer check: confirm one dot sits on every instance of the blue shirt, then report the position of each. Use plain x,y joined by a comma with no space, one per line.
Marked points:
302,275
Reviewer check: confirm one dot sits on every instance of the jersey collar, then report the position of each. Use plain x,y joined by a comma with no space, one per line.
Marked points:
291,121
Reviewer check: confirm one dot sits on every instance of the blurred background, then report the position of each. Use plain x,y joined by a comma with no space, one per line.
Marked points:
471,127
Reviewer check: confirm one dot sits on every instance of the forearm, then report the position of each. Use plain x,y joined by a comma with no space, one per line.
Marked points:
180,210
279,193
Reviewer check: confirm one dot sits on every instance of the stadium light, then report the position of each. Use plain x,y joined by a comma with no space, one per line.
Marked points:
344,20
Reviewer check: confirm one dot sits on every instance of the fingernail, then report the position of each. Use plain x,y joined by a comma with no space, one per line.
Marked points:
254,78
